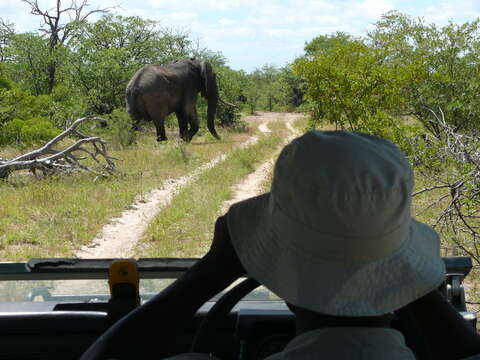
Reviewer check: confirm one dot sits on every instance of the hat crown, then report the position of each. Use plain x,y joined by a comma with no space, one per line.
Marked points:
346,184
334,235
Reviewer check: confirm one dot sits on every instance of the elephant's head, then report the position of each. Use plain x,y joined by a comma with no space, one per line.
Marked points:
209,90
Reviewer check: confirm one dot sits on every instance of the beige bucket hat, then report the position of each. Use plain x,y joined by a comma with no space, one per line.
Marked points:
335,234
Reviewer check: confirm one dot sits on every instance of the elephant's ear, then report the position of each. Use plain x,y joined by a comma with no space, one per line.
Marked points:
209,79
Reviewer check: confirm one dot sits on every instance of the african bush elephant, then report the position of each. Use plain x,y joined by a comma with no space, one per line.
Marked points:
156,91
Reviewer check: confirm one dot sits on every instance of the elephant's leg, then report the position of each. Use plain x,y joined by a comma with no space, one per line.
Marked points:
157,112
160,126
136,125
182,125
193,121
188,116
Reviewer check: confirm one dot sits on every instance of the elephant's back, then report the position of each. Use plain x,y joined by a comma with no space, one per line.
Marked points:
155,78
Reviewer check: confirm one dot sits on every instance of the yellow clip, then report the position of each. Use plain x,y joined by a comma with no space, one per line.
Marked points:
123,271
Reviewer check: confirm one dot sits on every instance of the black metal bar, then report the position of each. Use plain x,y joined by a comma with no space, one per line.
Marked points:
75,269
149,268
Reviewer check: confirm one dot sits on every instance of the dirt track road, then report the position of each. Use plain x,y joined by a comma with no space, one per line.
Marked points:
121,235
252,184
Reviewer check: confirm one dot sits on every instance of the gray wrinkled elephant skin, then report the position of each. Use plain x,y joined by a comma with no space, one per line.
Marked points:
156,91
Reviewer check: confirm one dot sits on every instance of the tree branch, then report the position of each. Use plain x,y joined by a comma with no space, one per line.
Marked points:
63,160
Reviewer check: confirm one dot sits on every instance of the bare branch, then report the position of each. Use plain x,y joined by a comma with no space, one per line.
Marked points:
460,152
430,189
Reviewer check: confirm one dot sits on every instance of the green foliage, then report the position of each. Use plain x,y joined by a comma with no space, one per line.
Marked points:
29,67
231,84
292,89
215,58
404,68
109,51
265,83
27,132
120,129
446,60
230,117
252,94
273,89
27,119
79,67
66,105
5,82
6,34
60,107
351,85
20,104
323,44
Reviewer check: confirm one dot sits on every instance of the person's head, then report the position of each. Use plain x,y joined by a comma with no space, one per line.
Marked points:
335,235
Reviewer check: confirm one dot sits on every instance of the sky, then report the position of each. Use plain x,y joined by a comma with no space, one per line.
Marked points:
251,33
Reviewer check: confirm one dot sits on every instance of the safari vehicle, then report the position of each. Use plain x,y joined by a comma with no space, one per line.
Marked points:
56,308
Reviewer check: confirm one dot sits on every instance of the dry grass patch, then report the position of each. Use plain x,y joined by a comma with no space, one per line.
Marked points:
55,216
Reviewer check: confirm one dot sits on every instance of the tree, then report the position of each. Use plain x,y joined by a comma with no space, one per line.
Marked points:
264,89
59,31
215,58
292,88
447,62
6,33
231,85
109,51
323,44
252,94
354,88
30,57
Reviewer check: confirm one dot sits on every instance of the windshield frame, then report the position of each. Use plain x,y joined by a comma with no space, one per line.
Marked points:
85,269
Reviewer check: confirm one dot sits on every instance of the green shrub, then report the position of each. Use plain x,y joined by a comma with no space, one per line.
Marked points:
11,132
34,130
38,129
120,129
5,83
228,116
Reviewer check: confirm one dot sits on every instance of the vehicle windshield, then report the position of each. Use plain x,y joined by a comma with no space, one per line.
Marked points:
127,134
95,290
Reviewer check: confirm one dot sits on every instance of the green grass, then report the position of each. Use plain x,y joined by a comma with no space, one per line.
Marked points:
184,228
53,217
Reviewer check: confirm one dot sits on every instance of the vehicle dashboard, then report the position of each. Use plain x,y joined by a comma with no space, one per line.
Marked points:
42,322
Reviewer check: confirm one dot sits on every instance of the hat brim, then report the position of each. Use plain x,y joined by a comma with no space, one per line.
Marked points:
331,286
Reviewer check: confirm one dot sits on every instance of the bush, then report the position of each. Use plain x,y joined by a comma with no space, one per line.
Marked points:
11,132
120,127
5,83
28,132
227,116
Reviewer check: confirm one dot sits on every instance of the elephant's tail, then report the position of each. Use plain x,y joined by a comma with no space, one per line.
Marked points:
134,105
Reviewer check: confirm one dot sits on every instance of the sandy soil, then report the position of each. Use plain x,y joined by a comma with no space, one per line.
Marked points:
252,184
119,237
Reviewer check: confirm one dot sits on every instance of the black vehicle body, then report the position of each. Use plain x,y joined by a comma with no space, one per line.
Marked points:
48,325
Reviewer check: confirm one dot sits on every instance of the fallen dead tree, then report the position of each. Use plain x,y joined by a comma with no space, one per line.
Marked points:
49,160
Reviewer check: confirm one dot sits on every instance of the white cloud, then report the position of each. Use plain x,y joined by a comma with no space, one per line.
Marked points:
374,8
182,17
226,21
249,31
460,11
199,5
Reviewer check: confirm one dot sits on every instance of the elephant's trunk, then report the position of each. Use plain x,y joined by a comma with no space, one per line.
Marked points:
212,109
211,93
